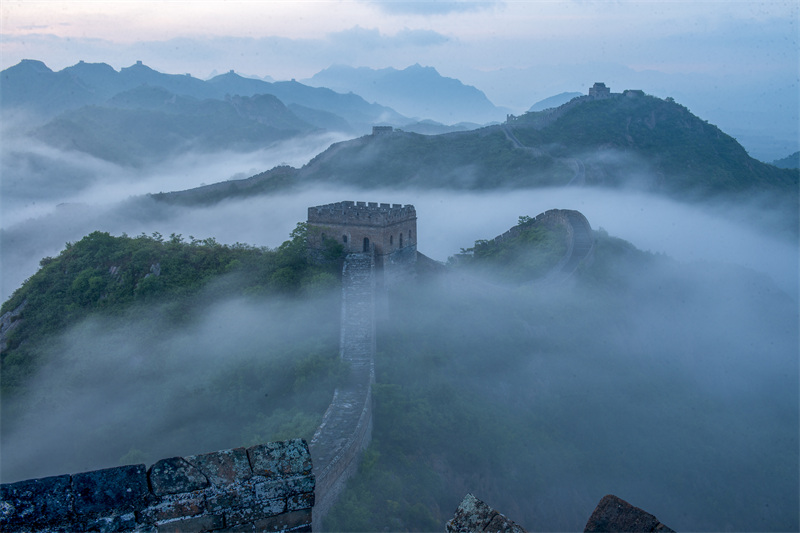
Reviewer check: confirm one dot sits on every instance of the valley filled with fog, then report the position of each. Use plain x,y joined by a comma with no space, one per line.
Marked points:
669,378
50,197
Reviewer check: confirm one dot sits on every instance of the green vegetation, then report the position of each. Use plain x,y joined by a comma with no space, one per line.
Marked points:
188,346
528,252
106,274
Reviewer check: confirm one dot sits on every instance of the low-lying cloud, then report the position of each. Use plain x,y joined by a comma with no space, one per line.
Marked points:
140,388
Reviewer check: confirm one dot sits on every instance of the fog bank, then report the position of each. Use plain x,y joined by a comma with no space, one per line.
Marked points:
146,386
447,221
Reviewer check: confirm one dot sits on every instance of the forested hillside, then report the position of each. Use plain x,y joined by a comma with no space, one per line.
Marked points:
106,275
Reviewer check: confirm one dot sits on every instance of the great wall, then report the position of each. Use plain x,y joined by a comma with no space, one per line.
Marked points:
275,486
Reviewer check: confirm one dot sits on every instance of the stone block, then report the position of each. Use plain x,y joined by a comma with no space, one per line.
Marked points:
300,501
112,524
615,514
203,523
111,492
263,509
230,497
271,488
175,475
280,459
292,521
36,503
223,467
172,506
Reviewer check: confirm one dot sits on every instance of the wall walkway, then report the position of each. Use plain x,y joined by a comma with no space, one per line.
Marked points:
346,427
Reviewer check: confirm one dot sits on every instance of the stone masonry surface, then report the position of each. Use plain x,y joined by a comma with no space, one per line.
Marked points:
268,487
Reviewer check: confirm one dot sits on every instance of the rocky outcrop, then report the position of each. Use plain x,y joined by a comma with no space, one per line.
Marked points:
474,516
615,514
612,514
9,322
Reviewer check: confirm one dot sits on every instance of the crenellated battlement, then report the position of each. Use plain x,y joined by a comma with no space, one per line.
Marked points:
389,231
361,214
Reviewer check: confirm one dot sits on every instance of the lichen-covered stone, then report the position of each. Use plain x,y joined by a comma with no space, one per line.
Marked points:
264,509
172,506
175,475
293,521
207,522
223,467
270,488
280,459
615,514
219,499
111,524
110,492
36,503
300,501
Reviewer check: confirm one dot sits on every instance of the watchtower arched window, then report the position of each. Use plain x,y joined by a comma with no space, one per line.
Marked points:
344,239
409,235
366,244
401,240
391,240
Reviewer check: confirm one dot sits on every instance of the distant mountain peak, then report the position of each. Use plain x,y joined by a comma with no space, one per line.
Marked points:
34,65
416,91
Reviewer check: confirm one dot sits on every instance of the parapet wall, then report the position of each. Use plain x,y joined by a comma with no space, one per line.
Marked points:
268,487
361,213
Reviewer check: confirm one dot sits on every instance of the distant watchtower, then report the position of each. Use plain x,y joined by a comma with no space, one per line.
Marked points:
389,231
599,90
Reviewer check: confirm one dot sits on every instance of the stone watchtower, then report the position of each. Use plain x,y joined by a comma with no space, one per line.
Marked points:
388,231
599,90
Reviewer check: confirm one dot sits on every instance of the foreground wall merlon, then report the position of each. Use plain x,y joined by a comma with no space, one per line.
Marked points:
268,487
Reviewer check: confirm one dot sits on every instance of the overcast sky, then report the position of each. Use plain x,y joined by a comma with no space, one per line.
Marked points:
295,39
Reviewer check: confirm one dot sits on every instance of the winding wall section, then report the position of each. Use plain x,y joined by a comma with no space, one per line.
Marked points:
346,427
580,242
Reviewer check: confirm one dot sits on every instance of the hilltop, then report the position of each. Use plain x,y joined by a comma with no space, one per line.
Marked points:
626,139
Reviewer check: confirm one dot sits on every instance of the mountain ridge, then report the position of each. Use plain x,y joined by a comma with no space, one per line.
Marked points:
38,90
415,91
